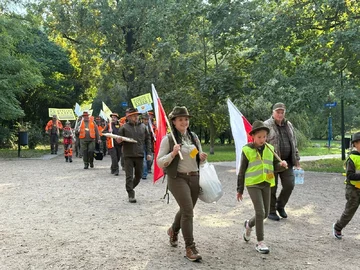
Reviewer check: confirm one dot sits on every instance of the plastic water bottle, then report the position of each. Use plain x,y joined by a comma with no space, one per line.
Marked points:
299,176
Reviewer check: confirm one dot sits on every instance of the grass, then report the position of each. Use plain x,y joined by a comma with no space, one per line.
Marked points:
25,152
227,153
334,165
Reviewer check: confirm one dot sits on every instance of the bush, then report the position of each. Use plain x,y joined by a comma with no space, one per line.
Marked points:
5,137
302,140
36,136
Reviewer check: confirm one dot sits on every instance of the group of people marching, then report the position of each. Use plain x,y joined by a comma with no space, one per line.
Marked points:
271,155
90,133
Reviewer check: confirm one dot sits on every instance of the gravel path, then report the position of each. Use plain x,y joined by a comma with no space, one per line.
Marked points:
56,215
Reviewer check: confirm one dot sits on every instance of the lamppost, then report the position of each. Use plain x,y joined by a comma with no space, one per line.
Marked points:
341,64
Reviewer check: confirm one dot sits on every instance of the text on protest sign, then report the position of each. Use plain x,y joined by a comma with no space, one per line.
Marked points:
141,100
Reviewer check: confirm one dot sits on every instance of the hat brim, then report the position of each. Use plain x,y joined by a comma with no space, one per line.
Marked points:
111,115
130,114
180,115
258,129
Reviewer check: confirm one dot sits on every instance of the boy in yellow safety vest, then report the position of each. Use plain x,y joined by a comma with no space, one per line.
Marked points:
257,167
352,189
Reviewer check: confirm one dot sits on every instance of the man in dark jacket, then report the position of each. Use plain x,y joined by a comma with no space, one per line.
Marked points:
133,153
282,137
113,146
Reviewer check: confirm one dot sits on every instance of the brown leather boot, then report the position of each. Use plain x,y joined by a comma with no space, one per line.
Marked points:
173,237
192,254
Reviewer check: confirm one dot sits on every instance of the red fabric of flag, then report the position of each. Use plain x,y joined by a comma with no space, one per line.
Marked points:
248,128
161,132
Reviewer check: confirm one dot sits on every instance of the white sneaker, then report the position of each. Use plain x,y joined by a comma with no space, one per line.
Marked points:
247,231
262,248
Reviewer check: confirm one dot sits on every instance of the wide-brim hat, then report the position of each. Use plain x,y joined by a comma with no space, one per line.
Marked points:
115,114
179,111
145,116
131,111
355,137
258,125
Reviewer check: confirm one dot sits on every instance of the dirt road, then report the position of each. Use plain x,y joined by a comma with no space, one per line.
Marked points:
56,215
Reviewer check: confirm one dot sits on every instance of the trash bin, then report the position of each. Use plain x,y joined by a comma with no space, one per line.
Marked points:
23,138
347,143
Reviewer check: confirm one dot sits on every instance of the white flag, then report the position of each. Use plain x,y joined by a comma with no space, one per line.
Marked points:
240,128
106,110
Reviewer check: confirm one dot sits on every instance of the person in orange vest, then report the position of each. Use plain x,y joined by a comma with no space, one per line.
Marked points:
53,128
68,140
88,135
115,148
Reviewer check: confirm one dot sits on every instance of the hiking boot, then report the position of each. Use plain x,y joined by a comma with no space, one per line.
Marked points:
173,237
132,200
247,231
282,212
112,171
192,254
274,216
337,234
91,165
262,248
86,166
66,159
70,160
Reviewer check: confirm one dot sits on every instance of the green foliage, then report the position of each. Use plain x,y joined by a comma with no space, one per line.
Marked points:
36,136
18,71
5,135
197,53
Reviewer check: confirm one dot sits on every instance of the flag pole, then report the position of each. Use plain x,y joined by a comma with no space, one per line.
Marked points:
172,135
276,155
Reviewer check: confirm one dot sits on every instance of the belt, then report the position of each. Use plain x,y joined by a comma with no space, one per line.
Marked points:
188,173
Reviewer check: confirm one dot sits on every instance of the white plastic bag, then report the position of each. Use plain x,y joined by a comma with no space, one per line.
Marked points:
210,186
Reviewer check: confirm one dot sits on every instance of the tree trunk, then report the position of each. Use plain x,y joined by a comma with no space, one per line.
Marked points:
212,135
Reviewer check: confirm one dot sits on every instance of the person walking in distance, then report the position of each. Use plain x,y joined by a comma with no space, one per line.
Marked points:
257,174
282,137
88,134
147,163
133,153
113,146
182,176
78,152
53,128
68,141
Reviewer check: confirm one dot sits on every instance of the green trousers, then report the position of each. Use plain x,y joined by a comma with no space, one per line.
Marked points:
260,197
87,148
185,190
352,195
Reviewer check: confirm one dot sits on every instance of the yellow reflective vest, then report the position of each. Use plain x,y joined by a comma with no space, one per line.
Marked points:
260,169
356,160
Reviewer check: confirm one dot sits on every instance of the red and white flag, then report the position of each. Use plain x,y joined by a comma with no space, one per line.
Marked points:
160,130
240,128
